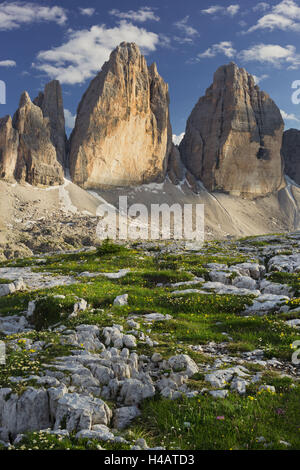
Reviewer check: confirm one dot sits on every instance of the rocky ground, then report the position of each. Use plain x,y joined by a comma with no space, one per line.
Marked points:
152,346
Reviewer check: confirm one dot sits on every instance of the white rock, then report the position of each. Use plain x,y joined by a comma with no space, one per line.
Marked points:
124,416
219,393
220,276
293,323
267,388
183,363
244,282
121,300
29,412
156,358
134,391
99,432
81,412
129,341
80,306
239,385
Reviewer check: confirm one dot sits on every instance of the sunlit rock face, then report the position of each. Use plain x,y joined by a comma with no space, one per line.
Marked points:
37,162
122,135
9,141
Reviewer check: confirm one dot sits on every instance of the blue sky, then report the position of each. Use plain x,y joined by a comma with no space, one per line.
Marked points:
70,40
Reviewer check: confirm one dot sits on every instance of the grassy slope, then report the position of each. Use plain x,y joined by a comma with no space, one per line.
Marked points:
197,319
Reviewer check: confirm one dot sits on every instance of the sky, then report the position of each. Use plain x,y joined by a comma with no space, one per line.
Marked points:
70,40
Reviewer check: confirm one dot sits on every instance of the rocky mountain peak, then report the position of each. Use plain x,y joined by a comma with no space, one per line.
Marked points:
122,134
233,136
51,104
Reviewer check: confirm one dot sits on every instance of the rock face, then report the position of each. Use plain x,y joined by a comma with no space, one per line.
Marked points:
291,154
122,134
233,137
51,104
175,166
9,141
36,158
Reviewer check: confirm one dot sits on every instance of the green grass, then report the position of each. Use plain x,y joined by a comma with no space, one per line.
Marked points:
197,319
275,417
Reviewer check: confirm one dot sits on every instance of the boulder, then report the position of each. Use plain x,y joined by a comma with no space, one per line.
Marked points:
81,412
29,412
125,415
122,135
233,137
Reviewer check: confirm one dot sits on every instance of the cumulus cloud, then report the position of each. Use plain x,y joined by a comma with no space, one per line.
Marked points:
225,47
87,11
15,14
140,16
273,54
289,117
269,54
85,51
285,16
178,138
188,31
262,6
69,118
258,80
232,10
7,63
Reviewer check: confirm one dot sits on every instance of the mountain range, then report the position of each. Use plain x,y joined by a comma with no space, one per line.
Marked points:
235,157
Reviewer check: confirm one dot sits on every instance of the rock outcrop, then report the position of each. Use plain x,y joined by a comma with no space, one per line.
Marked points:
51,104
175,166
291,154
37,163
9,141
233,137
122,135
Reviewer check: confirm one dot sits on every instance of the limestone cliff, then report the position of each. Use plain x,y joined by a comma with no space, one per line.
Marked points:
122,135
36,157
291,154
51,104
233,137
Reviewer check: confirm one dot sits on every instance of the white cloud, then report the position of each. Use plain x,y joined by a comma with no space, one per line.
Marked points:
232,10
85,51
285,16
262,6
272,54
87,11
289,117
140,16
224,47
7,63
258,80
178,138
15,14
187,30
69,118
